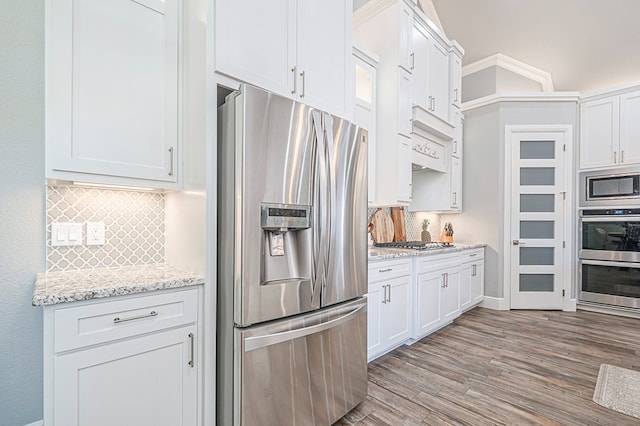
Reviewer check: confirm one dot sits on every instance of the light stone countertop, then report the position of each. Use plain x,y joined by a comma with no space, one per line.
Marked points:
377,253
70,286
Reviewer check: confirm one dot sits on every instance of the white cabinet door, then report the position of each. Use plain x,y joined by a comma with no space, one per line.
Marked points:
450,295
146,381
476,286
455,80
420,78
404,103
364,111
324,54
112,90
255,42
456,183
388,315
428,313
405,28
465,286
375,303
396,321
404,170
599,132
438,75
630,128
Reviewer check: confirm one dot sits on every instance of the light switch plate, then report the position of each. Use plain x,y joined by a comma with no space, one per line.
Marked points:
66,234
95,233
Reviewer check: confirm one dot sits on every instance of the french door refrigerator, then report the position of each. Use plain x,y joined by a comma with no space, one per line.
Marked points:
292,262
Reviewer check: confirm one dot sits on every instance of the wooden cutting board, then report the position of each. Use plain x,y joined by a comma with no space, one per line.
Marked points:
399,228
382,231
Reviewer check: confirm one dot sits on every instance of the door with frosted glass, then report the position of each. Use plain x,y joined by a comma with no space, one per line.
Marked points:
537,215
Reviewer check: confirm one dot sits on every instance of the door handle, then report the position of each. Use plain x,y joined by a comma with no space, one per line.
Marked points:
257,342
518,243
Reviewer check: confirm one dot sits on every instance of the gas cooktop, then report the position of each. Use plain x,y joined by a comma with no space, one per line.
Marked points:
415,245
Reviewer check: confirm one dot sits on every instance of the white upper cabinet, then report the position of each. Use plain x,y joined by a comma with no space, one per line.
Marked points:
455,78
609,131
599,132
630,128
112,91
298,49
405,28
255,41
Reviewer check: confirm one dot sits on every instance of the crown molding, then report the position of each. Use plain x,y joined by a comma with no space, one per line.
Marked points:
521,97
513,65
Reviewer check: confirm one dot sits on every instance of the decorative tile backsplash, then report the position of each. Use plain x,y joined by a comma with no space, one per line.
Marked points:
413,223
134,227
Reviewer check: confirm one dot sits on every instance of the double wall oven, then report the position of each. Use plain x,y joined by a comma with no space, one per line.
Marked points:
609,237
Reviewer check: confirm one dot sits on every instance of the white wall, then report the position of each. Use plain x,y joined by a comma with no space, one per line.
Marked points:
22,189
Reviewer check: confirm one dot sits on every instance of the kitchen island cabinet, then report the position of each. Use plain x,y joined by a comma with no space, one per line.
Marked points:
112,78
297,49
388,306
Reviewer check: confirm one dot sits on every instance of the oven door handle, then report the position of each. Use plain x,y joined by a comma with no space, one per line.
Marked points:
610,263
611,218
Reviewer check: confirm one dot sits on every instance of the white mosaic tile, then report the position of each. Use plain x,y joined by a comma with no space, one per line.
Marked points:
134,227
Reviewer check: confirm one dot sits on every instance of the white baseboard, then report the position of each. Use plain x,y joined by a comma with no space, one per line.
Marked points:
495,303
38,423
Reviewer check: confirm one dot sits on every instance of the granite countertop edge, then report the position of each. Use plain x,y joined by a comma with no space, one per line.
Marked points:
376,253
52,288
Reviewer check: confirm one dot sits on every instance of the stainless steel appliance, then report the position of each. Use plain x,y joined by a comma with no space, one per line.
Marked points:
292,263
610,256
612,187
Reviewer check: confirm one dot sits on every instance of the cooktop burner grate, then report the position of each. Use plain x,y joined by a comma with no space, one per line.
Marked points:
415,245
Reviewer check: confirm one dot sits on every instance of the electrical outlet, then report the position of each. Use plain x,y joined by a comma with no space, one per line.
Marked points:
95,233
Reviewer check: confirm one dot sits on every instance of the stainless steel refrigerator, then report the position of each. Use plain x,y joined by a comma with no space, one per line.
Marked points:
292,262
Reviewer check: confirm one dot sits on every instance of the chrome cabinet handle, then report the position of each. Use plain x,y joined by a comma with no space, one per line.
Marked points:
385,270
473,255
473,270
384,297
455,91
389,299
621,156
615,157
118,320
303,78
295,80
443,281
170,161
191,338
413,60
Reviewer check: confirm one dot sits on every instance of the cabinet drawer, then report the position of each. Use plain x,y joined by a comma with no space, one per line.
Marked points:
472,255
442,261
100,322
385,269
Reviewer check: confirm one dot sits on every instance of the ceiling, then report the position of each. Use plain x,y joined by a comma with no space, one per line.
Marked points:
584,44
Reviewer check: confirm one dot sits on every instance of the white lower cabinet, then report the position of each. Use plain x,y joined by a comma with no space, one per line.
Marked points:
409,298
471,279
388,305
130,361
437,293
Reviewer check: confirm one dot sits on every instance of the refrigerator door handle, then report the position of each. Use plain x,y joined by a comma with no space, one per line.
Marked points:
257,342
328,146
319,212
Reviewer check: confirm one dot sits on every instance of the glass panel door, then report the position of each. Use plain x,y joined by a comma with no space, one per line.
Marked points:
537,202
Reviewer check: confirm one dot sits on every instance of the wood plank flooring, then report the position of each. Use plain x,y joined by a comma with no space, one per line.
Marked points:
502,368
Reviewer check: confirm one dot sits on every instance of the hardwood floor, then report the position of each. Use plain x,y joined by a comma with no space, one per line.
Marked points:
502,368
